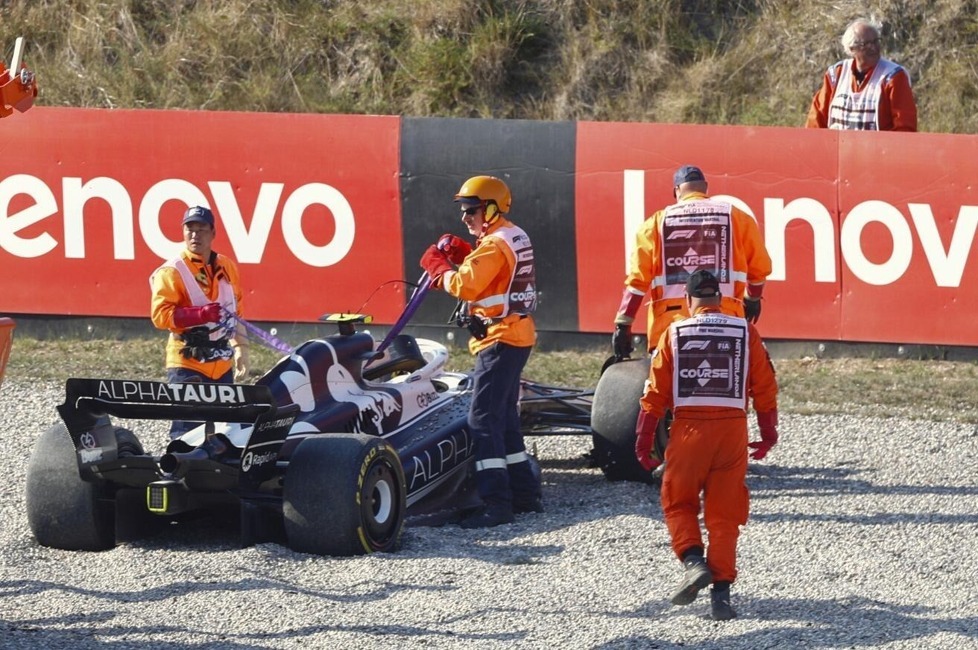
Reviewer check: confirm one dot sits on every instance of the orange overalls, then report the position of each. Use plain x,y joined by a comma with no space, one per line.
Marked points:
656,256
707,451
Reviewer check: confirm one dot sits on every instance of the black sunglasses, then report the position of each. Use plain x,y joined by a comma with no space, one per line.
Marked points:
471,211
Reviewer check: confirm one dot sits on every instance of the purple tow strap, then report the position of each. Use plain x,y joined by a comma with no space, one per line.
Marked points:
273,342
415,301
265,338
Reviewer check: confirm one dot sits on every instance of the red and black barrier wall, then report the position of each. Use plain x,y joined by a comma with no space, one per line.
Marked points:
872,235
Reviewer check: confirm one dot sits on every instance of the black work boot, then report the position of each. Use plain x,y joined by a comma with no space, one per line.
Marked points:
720,600
489,516
528,504
696,577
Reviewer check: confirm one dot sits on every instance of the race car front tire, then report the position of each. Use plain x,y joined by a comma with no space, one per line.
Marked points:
344,494
64,511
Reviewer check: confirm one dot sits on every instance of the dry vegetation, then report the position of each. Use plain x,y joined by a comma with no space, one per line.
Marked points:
700,61
913,388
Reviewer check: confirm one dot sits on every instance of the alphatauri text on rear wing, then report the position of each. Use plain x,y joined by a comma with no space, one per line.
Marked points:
86,400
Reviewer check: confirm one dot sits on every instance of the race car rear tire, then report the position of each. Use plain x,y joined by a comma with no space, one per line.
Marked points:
614,412
64,511
344,494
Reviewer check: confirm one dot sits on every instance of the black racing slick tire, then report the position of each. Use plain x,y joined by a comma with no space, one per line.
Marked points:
63,510
614,413
344,494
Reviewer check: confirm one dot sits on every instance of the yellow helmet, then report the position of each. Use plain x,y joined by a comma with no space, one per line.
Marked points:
486,189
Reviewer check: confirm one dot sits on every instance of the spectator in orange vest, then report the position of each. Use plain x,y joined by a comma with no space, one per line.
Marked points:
864,92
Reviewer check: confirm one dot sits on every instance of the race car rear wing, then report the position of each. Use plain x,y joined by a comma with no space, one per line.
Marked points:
88,401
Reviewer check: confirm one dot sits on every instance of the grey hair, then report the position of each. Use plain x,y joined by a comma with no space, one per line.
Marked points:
849,36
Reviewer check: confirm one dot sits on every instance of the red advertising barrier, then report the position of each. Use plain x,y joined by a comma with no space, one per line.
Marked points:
872,235
907,241
861,227
91,201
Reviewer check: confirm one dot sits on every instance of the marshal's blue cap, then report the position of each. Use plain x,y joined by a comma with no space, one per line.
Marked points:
198,213
687,174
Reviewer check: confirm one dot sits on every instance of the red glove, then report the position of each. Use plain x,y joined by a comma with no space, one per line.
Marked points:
644,439
768,424
184,317
435,262
455,247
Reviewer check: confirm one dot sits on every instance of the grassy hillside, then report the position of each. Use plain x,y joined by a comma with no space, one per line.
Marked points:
699,61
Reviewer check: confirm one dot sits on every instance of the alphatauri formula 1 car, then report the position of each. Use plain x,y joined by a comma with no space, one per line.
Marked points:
332,451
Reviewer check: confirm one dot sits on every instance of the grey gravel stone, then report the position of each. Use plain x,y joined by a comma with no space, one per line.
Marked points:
862,535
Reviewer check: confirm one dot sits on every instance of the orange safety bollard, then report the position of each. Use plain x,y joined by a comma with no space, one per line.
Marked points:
6,340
